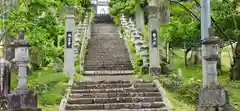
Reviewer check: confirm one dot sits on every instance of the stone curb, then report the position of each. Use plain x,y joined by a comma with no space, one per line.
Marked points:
65,98
163,93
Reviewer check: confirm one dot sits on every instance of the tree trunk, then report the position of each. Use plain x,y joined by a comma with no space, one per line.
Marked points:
185,56
235,72
197,56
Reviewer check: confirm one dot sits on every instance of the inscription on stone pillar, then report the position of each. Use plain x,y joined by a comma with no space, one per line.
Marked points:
154,38
69,40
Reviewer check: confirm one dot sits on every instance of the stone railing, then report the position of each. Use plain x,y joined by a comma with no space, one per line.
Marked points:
133,35
85,38
85,34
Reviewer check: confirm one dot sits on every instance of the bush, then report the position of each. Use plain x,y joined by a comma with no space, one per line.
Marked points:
50,98
187,92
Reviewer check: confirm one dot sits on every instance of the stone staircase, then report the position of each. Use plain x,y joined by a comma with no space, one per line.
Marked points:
115,95
106,51
109,83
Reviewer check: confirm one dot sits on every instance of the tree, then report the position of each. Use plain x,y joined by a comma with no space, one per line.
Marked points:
42,21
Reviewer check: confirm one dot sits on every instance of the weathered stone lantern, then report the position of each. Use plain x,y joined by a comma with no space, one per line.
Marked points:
23,98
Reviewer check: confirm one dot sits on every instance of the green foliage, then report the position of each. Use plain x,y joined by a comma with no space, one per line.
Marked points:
50,98
126,7
42,21
228,19
183,28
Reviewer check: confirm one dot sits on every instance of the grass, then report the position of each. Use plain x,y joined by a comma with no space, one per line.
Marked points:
233,87
49,86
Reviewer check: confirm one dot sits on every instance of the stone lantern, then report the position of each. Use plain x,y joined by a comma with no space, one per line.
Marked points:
23,98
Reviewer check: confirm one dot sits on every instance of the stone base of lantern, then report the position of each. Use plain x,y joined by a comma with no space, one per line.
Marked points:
213,99
155,71
22,100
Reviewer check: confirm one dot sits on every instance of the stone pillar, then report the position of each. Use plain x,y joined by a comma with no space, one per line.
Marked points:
69,41
94,6
5,80
22,99
154,56
139,15
212,97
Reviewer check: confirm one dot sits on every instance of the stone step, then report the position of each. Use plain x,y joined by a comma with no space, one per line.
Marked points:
116,94
110,39
118,44
115,106
113,100
105,49
91,62
119,74
128,72
108,57
97,63
114,90
142,109
124,85
96,51
91,68
108,82
101,42
110,60
124,62
107,65
100,47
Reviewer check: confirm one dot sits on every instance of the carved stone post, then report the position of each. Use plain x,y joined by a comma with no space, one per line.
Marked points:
212,97
69,57
23,98
154,57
